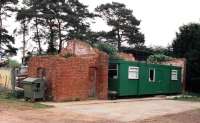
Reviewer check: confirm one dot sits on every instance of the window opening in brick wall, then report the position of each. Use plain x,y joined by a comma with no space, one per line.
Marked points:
41,73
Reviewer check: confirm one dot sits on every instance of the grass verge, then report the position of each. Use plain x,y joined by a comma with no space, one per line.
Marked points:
188,97
8,100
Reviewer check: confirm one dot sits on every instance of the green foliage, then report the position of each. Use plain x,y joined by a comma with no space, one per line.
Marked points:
188,97
124,24
10,101
105,47
10,51
6,40
161,50
187,45
40,106
7,95
67,55
187,40
22,30
56,21
157,58
13,63
140,48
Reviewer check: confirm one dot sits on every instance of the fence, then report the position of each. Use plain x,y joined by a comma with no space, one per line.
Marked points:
7,79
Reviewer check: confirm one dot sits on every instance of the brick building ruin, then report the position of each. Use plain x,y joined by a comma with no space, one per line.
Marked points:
77,73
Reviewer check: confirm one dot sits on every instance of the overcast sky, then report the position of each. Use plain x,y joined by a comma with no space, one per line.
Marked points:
160,19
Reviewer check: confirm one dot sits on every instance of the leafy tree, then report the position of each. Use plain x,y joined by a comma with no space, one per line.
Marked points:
64,19
124,24
23,30
6,40
39,33
78,27
162,50
109,49
13,63
52,37
31,13
40,14
158,58
187,44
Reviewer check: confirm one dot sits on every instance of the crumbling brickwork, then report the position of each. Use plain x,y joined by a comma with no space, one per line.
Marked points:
73,78
126,56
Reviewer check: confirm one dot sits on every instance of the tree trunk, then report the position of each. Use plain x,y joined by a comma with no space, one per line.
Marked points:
24,39
118,41
51,47
37,36
51,31
60,37
1,26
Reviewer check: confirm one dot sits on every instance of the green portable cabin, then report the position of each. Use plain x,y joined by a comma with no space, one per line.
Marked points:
128,78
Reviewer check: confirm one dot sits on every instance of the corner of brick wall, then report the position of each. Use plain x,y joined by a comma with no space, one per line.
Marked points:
68,79
102,87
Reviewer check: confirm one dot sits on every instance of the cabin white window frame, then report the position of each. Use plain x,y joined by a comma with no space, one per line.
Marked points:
154,75
174,75
133,72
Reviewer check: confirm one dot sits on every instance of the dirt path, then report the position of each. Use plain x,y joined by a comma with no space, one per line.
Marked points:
51,117
47,116
127,110
153,111
184,117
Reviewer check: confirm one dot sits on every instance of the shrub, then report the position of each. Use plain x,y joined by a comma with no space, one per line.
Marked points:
157,58
13,63
67,55
109,49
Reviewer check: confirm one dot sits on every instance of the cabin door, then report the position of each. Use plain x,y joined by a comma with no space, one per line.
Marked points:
162,80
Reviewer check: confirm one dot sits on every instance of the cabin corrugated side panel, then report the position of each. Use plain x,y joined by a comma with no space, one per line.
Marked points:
162,83
175,85
127,86
146,86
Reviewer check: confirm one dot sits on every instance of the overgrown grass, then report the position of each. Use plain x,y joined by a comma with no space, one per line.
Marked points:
8,100
194,97
39,106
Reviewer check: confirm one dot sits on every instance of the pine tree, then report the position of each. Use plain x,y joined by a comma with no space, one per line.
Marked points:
124,24
6,40
64,20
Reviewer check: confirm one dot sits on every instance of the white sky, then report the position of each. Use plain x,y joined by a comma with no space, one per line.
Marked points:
160,19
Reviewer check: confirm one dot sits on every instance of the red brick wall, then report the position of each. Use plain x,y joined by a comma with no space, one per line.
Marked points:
102,86
69,78
78,48
42,62
126,56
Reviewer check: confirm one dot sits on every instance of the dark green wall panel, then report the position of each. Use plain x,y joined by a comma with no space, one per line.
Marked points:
142,86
